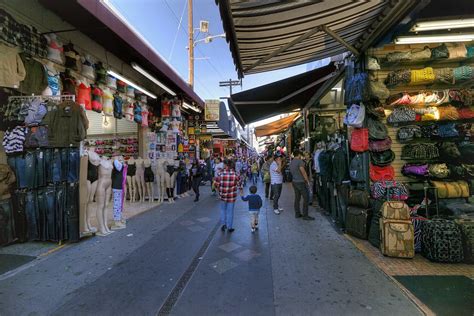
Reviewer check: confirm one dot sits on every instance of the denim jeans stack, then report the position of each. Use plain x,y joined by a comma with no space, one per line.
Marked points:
46,201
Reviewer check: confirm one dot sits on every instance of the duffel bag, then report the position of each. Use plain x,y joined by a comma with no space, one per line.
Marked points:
357,221
360,140
441,241
417,226
359,198
455,189
397,238
398,191
395,210
416,170
381,173
467,235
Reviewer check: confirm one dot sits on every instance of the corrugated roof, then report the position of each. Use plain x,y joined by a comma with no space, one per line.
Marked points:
256,29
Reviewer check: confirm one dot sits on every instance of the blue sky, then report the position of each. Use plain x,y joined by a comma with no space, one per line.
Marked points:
158,20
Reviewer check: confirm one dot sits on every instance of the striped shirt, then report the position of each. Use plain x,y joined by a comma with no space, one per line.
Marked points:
14,139
227,183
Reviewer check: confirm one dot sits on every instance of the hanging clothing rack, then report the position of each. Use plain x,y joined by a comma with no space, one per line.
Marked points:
62,97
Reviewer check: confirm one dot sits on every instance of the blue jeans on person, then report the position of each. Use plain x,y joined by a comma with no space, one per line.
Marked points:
255,178
227,214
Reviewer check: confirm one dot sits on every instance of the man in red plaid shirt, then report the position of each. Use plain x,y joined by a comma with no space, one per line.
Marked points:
227,183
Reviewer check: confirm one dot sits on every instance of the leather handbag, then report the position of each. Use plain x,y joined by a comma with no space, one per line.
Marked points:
360,140
415,170
383,158
439,170
381,173
377,129
359,198
380,145
395,210
355,115
440,52
455,189
422,76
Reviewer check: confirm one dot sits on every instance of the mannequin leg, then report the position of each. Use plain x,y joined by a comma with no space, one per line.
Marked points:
102,229
108,193
149,191
91,190
144,189
139,188
129,188
134,188
162,189
167,185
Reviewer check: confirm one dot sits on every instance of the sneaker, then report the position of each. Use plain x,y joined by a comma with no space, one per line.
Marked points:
280,209
230,230
276,211
253,230
298,215
224,227
308,218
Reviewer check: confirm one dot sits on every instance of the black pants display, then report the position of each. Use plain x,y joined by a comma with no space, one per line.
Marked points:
72,212
276,190
342,200
7,222
19,215
301,191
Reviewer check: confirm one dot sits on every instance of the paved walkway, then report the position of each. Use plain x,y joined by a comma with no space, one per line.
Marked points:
174,259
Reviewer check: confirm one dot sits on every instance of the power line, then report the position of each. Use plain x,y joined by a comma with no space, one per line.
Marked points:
177,31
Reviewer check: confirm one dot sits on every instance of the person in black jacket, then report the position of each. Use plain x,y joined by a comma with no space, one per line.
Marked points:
196,174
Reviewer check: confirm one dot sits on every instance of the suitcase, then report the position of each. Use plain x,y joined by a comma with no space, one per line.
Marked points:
417,225
397,238
467,235
398,210
357,221
441,241
374,229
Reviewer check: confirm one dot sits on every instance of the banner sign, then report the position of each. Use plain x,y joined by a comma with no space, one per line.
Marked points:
211,110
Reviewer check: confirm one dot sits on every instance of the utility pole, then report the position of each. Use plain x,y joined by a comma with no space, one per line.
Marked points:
191,43
230,83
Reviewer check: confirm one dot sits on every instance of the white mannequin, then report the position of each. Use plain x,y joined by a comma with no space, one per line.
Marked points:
131,179
94,159
175,125
160,178
140,179
149,185
104,189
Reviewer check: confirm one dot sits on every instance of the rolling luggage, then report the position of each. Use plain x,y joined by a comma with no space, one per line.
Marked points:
374,229
441,241
467,235
395,210
417,226
357,221
397,238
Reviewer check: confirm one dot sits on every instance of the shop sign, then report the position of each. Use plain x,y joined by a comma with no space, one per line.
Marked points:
211,110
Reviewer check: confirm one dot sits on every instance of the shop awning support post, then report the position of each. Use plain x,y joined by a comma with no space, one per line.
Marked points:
334,35
306,131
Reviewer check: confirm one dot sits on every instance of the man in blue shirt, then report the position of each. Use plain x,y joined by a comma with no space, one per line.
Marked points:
255,203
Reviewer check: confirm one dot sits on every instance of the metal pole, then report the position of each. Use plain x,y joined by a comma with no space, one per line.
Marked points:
191,43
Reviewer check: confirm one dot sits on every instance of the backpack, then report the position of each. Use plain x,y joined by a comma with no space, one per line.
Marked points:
356,169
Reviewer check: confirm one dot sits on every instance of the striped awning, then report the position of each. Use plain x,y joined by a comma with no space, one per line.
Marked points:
276,127
266,35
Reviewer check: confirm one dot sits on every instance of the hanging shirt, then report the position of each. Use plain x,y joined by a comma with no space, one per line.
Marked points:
54,81
316,160
14,139
83,96
107,105
97,99
118,105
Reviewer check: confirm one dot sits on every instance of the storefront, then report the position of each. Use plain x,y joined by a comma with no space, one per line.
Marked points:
86,117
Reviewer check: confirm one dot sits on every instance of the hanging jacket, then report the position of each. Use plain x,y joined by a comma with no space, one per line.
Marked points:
340,170
325,161
66,125
12,69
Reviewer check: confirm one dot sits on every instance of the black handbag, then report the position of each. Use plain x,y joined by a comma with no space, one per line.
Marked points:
382,158
440,52
377,129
